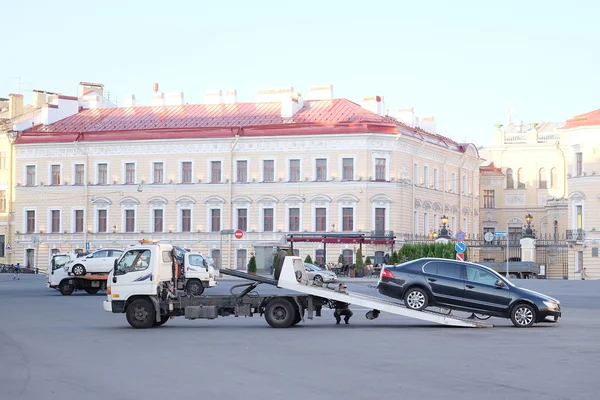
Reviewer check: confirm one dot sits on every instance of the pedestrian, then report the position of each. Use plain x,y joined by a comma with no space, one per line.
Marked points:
342,308
583,274
17,272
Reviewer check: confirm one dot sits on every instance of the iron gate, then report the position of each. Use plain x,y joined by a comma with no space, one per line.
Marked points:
554,254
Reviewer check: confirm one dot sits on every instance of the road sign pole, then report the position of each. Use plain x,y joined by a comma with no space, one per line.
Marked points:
507,254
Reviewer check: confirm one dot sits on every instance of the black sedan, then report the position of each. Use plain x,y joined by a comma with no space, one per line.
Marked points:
465,286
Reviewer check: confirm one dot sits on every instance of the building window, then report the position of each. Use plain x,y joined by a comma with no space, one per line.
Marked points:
268,171
242,171
348,256
320,219
78,221
347,219
579,216
436,179
242,217
186,220
453,182
55,221
129,221
30,221
521,178
2,200
380,221
553,178
416,174
215,172
31,175
3,161
3,244
130,173
426,176
294,170
102,223
415,222
465,185
267,219
425,223
579,261
348,169
102,174
319,257
158,172
241,258
321,165
215,220
578,164
489,199
294,219
158,217
55,171
186,172
542,179
380,169
515,234
446,185
79,174
510,184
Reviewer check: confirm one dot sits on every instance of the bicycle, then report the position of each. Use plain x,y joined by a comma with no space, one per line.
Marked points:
481,317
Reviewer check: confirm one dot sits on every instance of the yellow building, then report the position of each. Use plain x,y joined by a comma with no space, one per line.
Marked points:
183,173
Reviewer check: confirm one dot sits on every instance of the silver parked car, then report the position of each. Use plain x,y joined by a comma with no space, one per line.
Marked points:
318,274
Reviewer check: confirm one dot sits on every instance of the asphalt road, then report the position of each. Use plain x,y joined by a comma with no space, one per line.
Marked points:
53,346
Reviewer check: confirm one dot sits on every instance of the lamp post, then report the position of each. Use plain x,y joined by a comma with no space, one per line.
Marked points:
444,231
528,230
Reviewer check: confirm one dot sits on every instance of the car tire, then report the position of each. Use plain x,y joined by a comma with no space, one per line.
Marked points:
318,279
92,290
65,288
140,314
280,313
78,270
194,287
523,315
416,299
163,320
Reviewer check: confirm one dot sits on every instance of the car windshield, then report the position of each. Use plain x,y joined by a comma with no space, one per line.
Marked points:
60,261
313,267
197,260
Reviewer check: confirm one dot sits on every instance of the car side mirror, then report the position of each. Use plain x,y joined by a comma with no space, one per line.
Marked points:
499,284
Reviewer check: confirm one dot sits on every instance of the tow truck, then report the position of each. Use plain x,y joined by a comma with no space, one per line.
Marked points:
143,286
60,279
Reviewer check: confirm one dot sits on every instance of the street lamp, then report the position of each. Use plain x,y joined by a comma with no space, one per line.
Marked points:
528,230
444,231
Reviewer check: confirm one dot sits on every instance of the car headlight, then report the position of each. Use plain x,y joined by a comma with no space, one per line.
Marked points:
550,304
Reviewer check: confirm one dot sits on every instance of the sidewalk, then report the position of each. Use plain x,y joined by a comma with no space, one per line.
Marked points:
346,279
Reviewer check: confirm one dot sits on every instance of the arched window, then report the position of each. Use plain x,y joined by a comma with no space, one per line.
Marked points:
521,178
542,179
509,179
553,178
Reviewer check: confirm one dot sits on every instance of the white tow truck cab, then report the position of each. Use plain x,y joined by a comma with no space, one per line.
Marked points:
56,271
197,274
58,277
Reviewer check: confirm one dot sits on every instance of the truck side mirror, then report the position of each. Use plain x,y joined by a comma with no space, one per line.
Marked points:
115,271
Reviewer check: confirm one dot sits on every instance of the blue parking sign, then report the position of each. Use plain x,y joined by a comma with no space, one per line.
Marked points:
460,247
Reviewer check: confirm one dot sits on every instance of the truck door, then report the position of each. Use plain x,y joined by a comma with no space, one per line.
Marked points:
135,274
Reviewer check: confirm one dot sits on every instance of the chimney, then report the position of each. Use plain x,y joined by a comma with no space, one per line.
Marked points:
291,104
230,96
321,92
174,99
273,95
157,97
428,124
129,100
373,104
407,116
15,105
212,96
86,87
39,98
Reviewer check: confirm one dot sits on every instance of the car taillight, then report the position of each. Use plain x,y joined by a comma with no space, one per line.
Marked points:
387,274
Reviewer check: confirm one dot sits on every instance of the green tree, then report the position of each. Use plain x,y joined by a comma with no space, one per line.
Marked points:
308,260
341,259
368,261
359,260
252,265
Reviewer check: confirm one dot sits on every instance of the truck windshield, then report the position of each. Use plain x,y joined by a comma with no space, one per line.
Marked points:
59,261
133,260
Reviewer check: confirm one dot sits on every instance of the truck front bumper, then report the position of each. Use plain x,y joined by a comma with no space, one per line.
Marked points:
209,284
107,306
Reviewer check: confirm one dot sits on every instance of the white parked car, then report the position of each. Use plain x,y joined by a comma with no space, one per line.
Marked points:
318,274
100,261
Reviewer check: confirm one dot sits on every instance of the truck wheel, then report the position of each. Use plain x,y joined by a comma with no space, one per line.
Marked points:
140,314
79,270
297,316
92,290
279,264
65,288
415,299
523,315
163,320
194,287
280,313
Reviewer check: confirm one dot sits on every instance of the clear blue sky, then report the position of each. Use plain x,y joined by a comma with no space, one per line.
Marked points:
465,62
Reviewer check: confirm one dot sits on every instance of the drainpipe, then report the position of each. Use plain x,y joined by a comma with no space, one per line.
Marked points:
562,153
9,199
231,149
462,189
86,187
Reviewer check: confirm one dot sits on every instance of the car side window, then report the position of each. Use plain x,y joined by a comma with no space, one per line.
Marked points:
479,275
449,270
430,268
116,253
100,254
133,261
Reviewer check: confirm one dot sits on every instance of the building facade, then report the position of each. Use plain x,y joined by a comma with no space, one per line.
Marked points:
185,173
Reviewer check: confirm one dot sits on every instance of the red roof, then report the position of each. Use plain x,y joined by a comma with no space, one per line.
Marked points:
336,116
588,119
490,170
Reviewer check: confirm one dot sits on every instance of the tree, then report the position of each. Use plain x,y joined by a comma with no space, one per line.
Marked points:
308,260
341,259
359,260
252,265
368,261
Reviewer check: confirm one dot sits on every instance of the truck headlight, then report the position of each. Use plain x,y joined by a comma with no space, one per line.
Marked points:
550,304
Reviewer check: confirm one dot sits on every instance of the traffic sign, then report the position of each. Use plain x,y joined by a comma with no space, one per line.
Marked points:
500,233
7,247
460,247
460,236
489,236
460,256
239,234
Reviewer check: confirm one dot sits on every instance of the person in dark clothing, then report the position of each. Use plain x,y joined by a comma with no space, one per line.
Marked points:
341,308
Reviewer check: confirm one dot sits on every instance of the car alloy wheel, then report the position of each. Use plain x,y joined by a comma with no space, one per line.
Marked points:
523,316
415,300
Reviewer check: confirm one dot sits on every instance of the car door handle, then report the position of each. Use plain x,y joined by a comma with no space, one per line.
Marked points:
431,279
470,286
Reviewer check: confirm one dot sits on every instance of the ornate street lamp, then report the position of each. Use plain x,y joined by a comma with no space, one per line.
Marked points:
528,230
444,231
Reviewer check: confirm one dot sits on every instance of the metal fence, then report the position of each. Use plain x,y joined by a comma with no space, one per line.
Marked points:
553,252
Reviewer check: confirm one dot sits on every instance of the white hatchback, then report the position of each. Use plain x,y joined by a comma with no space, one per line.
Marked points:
100,261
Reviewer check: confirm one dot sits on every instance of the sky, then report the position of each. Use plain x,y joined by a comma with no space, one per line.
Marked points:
464,62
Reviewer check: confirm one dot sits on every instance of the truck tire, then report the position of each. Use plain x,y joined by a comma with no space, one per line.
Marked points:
65,288
279,264
92,290
78,270
140,314
297,316
194,287
280,313
163,320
